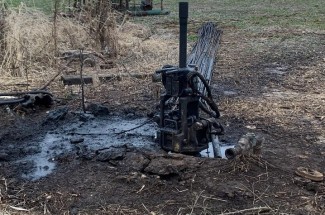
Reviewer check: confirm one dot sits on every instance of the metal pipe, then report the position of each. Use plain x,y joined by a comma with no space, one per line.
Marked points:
183,16
12,101
26,92
248,142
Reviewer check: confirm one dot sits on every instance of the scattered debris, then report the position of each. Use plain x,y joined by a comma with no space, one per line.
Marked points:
247,143
76,140
135,161
97,109
84,117
57,114
76,80
111,154
28,99
311,174
171,165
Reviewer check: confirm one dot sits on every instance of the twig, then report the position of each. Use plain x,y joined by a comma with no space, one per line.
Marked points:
195,202
146,209
27,79
141,189
255,195
213,198
18,208
256,209
50,81
82,82
54,33
77,133
139,126
180,191
123,22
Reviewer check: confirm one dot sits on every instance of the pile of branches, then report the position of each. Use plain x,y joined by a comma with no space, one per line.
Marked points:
205,50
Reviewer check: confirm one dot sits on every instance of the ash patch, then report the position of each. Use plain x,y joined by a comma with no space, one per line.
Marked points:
91,139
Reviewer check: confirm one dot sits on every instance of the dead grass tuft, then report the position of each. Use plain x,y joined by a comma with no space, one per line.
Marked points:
143,51
28,41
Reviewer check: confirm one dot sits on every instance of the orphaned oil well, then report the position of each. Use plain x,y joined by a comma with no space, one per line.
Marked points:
188,116
84,139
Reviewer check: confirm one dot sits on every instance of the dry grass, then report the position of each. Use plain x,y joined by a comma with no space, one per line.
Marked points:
29,42
30,51
144,51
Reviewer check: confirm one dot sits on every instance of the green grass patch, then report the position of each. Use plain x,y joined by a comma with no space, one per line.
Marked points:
192,37
254,14
248,14
44,5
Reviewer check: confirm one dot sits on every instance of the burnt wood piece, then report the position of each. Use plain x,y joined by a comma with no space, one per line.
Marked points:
75,80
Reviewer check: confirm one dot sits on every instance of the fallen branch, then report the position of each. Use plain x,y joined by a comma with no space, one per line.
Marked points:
141,189
18,208
75,54
123,22
139,126
78,133
50,81
82,82
75,79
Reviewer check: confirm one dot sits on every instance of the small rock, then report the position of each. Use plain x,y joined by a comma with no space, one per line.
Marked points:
76,140
30,150
130,115
230,194
111,154
135,161
230,93
4,156
312,187
301,181
57,114
91,62
97,109
230,189
163,166
84,117
130,111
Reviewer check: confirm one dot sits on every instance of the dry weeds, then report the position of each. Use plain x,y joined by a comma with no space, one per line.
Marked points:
29,56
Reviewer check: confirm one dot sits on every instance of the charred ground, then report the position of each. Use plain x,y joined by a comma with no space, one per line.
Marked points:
269,79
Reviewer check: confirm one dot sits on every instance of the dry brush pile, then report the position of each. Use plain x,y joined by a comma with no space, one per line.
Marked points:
32,42
30,39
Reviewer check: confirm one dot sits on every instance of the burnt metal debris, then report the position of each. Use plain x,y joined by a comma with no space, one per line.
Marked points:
247,143
27,99
182,127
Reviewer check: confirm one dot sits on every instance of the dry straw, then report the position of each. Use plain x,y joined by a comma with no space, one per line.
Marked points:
29,50
28,40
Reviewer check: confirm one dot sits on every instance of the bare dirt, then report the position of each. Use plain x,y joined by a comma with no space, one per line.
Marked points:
274,90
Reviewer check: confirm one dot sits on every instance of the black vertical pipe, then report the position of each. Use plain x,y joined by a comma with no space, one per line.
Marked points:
183,15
